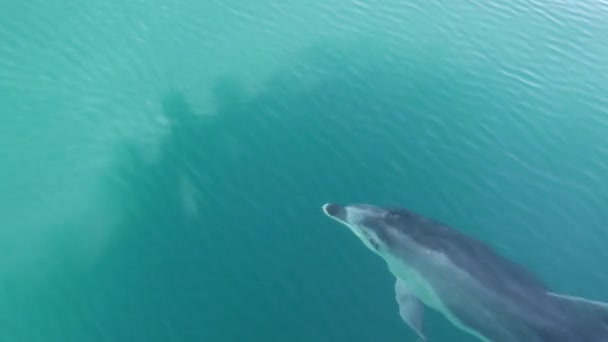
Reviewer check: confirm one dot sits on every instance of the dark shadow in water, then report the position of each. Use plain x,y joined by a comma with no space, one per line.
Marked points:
223,238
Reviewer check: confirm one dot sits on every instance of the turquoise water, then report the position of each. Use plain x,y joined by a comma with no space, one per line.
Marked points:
163,163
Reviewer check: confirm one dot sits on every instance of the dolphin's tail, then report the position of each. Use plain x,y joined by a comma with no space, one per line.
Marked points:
583,319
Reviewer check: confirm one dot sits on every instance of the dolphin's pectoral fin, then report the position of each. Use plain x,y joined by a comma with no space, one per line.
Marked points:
411,309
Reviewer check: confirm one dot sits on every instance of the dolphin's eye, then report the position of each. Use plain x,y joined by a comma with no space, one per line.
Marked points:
391,215
398,214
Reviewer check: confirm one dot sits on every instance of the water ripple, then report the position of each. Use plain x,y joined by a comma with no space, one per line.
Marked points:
489,115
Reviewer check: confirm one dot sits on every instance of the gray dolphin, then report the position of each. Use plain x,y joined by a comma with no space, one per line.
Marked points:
475,288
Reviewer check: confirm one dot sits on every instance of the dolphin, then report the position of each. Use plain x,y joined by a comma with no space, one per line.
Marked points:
475,288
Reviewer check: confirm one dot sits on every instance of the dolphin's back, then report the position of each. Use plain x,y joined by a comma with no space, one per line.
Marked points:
479,260
508,303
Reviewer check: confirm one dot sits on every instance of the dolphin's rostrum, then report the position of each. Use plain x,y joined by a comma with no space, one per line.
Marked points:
475,288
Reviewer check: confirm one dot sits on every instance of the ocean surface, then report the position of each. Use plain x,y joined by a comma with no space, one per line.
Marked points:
163,162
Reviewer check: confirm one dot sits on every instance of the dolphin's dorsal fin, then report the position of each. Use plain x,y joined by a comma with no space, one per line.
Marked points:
598,307
591,315
411,309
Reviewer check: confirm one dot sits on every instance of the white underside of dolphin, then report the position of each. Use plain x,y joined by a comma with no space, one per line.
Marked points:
413,292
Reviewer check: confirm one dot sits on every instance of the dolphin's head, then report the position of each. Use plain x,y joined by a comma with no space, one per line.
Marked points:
380,229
